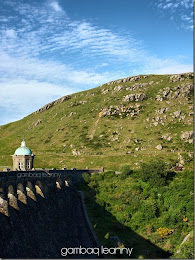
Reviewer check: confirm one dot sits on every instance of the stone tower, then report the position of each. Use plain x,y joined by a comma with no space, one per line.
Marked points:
23,158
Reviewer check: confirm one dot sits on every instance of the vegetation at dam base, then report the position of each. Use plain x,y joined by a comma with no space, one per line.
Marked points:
150,209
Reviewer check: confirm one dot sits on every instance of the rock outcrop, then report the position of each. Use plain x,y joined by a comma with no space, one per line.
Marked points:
136,86
121,111
138,97
49,105
187,135
128,79
183,90
181,77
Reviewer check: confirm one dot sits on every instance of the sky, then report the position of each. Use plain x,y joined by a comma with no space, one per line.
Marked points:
52,48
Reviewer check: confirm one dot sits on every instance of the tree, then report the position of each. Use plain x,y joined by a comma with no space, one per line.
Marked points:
154,172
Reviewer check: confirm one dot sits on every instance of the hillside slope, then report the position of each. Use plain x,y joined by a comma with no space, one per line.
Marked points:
123,121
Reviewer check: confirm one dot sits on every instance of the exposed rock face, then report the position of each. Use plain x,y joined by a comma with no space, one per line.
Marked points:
176,78
49,105
77,103
121,111
129,79
181,77
137,86
138,97
104,91
167,137
161,110
187,135
177,113
118,88
183,90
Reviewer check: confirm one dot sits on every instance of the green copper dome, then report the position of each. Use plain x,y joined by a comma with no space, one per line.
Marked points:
23,150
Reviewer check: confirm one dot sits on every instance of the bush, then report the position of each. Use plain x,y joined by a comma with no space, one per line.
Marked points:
154,172
108,174
149,209
86,177
164,232
126,170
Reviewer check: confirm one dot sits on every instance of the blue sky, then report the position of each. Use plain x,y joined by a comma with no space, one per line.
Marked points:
51,48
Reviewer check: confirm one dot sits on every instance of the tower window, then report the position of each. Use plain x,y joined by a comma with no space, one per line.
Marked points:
20,165
28,164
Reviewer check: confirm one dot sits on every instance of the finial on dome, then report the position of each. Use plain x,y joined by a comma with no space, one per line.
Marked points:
23,143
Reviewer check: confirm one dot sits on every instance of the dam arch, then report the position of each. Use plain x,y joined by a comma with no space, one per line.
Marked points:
4,202
12,197
39,189
21,193
30,190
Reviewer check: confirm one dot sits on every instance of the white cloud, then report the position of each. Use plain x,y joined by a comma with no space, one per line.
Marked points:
167,6
20,97
10,33
179,9
56,6
48,71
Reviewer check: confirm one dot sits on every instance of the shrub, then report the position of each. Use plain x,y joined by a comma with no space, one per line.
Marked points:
109,174
164,232
126,170
86,177
154,172
149,209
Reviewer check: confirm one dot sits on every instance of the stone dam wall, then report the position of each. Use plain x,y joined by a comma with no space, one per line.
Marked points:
42,212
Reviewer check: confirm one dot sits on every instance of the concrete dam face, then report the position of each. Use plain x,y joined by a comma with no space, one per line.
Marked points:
39,217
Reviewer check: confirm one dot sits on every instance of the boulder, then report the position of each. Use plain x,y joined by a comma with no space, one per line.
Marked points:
176,78
104,91
177,113
187,135
161,111
118,88
75,152
38,122
159,147
138,97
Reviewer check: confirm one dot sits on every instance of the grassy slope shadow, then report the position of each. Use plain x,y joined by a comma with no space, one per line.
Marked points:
105,223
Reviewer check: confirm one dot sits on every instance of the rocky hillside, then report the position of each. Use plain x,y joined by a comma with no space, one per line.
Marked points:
124,121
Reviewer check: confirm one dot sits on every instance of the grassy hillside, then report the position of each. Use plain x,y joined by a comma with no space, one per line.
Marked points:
124,121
